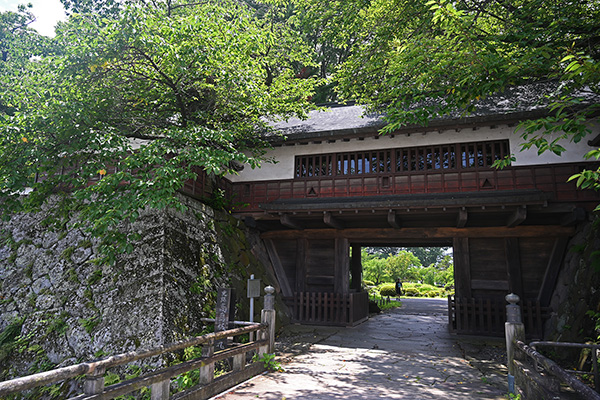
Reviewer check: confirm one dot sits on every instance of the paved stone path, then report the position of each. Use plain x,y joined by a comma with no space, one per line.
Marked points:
406,353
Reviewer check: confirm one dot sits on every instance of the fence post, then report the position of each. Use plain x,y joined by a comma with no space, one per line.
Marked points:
514,330
267,316
94,381
160,390
207,371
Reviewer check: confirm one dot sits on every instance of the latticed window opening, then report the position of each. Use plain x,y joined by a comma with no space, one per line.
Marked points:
405,160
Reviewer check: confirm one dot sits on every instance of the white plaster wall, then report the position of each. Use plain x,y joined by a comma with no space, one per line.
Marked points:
285,155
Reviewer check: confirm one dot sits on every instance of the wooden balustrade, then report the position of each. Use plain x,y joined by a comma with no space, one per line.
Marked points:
549,179
487,316
322,308
159,380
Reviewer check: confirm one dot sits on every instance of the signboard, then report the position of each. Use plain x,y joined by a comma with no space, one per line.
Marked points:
253,288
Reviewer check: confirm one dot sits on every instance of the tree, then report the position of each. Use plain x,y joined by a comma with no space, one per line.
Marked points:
417,61
403,265
427,255
134,102
374,268
19,44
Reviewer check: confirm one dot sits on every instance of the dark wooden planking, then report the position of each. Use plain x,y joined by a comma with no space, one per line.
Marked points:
375,234
535,254
278,267
513,266
462,267
484,284
301,262
487,259
552,270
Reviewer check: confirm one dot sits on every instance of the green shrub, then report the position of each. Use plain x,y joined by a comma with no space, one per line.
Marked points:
368,283
387,289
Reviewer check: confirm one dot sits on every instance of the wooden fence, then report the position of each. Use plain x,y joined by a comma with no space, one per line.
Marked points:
160,381
321,308
487,316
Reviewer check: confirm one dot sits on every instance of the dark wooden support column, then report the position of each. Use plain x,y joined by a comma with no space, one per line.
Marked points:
301,260
517,217
513,266
331,221
462,267
282,278
356,268
290,222
341,282
394,220
461,220
552,270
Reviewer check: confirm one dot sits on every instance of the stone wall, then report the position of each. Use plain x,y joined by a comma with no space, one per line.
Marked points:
577,289
58,306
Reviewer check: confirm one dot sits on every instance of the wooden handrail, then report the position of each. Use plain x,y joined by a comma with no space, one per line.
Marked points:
557,371
125,387
60,374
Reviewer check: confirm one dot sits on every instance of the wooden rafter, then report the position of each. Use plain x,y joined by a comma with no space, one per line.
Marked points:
290,222
517,217
333,222
461,220
394,220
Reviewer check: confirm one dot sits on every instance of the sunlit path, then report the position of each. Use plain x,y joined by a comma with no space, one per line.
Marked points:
406,353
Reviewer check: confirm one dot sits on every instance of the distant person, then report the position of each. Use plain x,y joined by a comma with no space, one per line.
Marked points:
398,287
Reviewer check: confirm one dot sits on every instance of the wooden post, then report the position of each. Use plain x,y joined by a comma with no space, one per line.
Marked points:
462,267
267,316
239,362
514,330
341,282
94,381
356,268
207,371
160,390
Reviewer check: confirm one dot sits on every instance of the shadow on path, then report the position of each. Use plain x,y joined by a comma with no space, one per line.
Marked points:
404,353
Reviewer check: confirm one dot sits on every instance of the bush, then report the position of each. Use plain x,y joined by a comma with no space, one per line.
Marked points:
368,283
387,289
422,290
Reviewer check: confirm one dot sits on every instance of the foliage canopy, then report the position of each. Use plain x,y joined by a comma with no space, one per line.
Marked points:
134,102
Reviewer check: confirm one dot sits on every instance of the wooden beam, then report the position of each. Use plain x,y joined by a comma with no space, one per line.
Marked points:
341,283
517,217
574,217
390,234
301,262
552,270
356,267
290,222
462,267
513,266
393,220
461,220
333,222
286,289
